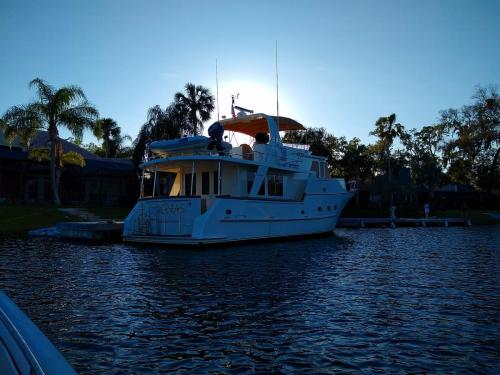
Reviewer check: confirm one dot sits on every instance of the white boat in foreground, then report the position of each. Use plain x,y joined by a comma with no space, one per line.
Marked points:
24,349
227,194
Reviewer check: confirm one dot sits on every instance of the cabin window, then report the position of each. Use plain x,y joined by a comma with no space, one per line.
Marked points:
164,183
250,180
147,188
187,184
216,182
205,183
326,173
315,168
275,185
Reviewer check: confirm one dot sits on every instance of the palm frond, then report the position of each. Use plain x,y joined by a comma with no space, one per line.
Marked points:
77,119
39,154
45,91
74,158
22,121
65,96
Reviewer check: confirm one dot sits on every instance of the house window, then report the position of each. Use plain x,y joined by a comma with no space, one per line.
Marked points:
205,183
275,185
187,184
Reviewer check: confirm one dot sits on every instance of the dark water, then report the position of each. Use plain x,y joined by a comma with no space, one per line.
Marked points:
381,300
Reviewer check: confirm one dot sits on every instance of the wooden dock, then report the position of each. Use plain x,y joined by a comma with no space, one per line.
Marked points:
111,231
106,231
375,222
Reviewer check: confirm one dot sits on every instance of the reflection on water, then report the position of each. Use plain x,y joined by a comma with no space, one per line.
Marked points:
409,299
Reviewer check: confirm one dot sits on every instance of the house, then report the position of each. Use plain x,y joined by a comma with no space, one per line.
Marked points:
103,181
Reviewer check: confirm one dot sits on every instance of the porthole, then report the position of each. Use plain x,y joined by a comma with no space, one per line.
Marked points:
328,208
324,189
228,212
319,208
334,207
302,212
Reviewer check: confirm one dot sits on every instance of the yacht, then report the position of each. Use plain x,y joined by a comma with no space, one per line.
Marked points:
202,190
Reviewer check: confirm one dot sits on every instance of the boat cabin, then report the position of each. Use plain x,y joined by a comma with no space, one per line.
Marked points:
266,170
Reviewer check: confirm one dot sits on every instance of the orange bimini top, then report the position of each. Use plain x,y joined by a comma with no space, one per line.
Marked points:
257,123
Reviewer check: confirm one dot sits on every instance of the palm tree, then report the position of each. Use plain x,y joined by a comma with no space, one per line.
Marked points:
64,107
160,124
386,129
70,157
197,104
108,130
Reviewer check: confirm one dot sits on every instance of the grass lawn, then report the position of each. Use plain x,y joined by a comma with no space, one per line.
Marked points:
17,220
115,213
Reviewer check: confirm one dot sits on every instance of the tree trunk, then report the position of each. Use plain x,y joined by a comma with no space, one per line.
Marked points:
54,139
106,146
389,176
493,168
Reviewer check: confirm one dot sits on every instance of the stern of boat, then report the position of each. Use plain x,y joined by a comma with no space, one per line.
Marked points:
162,217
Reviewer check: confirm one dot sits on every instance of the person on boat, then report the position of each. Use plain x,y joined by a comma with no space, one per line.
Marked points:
215,132
262,138
427,209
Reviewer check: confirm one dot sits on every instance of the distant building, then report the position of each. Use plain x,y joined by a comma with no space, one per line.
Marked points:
106,181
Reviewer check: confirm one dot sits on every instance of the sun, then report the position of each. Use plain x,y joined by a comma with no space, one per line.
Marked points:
253,95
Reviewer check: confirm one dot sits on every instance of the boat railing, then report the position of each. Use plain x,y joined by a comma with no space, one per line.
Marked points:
250,155
297,146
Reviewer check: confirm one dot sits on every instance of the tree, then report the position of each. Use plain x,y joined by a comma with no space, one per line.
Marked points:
43,154
112,140
472,151
54,108
356,161
387,130
422,149
160,124
196,104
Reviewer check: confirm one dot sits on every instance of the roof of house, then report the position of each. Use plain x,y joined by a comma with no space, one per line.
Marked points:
42,140
93,163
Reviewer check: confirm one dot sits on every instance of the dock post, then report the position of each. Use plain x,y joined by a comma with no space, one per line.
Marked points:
393,224
445,222
361,223
423,223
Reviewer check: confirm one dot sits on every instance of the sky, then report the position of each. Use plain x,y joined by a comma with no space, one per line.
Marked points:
341,64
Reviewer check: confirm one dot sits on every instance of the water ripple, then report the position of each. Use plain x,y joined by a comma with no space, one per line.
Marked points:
405,300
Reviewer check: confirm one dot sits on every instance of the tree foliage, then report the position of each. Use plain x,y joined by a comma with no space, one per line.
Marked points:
196,105
471,151
113,142
54,108
185,115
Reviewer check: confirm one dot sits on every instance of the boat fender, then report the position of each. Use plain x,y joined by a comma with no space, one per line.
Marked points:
215,132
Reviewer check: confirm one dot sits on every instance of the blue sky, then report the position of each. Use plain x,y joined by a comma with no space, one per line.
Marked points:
342,64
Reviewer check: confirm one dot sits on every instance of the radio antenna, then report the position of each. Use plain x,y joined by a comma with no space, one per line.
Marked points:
217,84
277,89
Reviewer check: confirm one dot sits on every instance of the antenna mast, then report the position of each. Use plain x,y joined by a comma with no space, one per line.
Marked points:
217,84
277,88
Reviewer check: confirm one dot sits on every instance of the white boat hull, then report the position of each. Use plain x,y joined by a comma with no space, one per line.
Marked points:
179,221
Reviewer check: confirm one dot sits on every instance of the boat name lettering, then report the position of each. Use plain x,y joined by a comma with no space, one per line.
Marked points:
173,209
283,156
